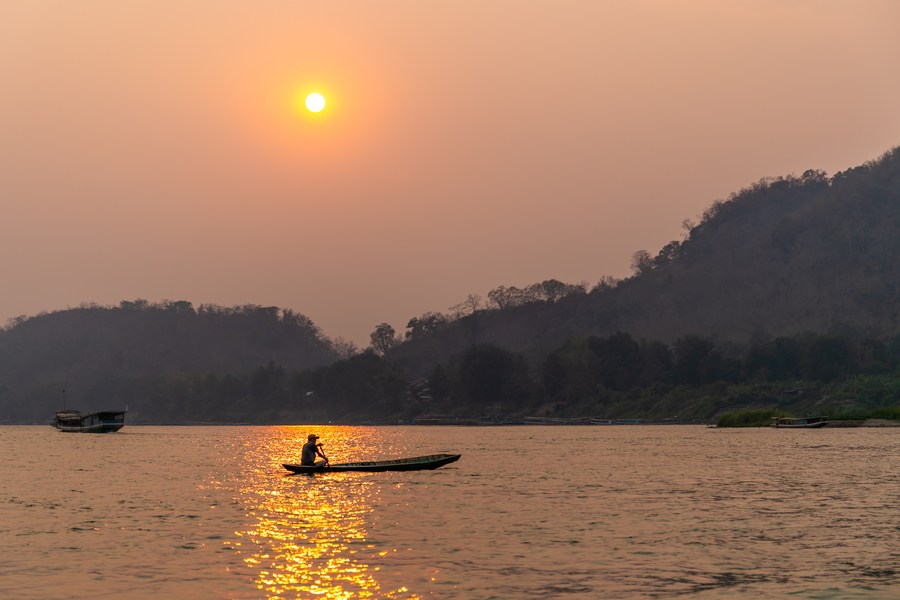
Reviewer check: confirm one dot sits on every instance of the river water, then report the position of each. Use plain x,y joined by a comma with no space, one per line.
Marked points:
527,512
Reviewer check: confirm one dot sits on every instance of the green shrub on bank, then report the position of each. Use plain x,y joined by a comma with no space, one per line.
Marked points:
748,418
887,412
852,412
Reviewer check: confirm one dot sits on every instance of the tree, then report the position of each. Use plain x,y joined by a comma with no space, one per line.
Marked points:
439,383
776,360
344,348
506,297
826,358
697,360
267,385
568,374
656,363
14,322
688,226
467,307
473,303
667,253
492,376
641,262
139,304
425,325
618,360
553,289
606,282
364,384
383,338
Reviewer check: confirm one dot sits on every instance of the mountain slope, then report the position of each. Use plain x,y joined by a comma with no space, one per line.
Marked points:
785,255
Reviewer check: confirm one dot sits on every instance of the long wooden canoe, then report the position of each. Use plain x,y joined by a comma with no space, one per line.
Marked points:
416,463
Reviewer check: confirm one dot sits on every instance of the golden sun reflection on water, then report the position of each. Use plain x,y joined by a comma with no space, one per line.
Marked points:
309,535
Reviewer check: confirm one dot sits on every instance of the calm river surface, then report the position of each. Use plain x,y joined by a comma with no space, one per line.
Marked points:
527,512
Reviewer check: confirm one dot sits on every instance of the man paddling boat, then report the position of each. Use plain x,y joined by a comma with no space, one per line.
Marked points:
310,450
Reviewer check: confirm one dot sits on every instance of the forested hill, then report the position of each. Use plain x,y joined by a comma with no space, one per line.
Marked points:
786,255
87,350
792,283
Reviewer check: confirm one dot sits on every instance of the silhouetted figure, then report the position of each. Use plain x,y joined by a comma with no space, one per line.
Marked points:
310,450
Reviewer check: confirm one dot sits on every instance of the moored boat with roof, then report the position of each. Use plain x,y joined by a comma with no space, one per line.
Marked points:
799,422
73,421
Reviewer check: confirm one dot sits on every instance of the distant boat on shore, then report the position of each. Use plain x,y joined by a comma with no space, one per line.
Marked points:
799,422
99,422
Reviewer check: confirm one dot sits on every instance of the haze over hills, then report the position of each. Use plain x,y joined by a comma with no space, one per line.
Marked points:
81,356
784,256
792,279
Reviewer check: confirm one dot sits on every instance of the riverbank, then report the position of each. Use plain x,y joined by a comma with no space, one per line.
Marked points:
865,423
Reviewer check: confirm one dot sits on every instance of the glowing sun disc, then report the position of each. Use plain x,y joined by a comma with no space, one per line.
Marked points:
315,102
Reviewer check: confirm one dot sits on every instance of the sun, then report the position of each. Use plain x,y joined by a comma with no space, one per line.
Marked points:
315,102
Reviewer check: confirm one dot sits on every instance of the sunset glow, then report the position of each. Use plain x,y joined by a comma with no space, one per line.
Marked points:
375,165
313,541
315,102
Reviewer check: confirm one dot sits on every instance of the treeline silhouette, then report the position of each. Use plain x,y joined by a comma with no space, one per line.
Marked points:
613,377
363,387
785,294
780,257
694,377
78,356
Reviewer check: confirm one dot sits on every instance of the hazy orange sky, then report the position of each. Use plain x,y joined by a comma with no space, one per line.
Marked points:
154,149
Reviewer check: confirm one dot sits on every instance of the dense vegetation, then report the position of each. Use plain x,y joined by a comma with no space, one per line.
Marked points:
694,378
82,356
749,418
614,377
783,256
784,297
